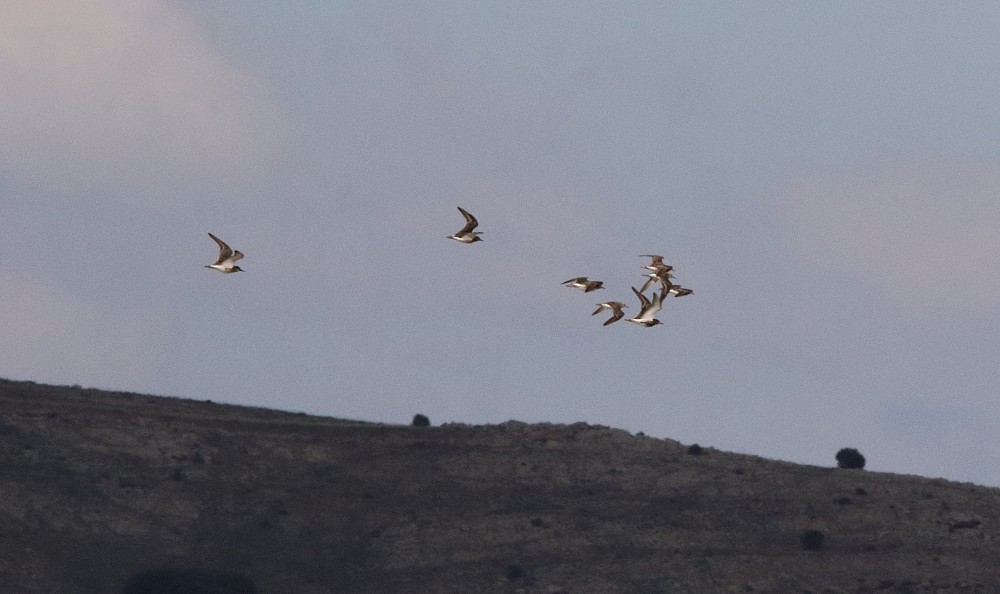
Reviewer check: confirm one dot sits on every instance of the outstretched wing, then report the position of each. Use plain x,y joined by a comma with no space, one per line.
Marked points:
657,303
619,314
224,251
470,222
643,300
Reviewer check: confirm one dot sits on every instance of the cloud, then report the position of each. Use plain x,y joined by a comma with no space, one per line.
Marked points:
923,234
92,89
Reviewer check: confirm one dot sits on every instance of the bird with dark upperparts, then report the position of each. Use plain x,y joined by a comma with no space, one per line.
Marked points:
227,257
584,284
648,309
615,307
466,233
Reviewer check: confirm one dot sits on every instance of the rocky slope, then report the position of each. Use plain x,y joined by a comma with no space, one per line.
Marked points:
112,492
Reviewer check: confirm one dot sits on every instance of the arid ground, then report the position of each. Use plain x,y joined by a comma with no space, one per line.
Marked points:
124,493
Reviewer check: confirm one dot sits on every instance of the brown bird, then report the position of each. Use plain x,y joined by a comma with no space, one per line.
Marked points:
649,308
227,257
585,285
466,233
616,310
657,263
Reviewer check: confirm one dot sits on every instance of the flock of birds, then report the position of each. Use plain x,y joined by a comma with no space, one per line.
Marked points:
648,308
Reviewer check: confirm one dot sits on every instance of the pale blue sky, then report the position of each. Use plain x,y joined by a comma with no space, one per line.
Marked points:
823,175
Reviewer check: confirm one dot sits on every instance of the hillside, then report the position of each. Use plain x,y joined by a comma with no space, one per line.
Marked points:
114,492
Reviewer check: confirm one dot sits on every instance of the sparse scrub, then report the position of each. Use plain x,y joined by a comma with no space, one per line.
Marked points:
514,572
963,524
850,458
812,540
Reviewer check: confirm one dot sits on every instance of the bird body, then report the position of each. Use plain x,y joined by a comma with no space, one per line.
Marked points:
616,308
662,276
656,265
466,233
648,309
227,257
584,284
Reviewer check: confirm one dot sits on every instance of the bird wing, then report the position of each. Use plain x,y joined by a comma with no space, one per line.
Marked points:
657,303
642,298
224,251
470,222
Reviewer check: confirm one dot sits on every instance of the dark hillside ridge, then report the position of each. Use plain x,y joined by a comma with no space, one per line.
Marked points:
109,492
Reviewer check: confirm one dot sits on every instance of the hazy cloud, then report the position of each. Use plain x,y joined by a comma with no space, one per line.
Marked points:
95,88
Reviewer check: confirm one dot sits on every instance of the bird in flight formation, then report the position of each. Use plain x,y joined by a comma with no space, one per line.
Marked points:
648,307
227,257
616,308
662,273
648,310
659,272
584,284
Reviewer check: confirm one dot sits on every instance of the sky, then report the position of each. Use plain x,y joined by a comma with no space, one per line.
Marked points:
823,175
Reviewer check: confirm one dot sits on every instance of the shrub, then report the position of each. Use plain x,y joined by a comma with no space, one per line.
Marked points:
514,572
696,450
850,458
421,421
812,540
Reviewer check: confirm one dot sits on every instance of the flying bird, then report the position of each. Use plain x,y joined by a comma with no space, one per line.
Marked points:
466,233
616,310
227,257
656,265
661,276
585,285
679,291
648,309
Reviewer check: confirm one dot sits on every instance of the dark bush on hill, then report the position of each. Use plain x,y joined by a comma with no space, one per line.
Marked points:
421,421
812,540
850,458
514,572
